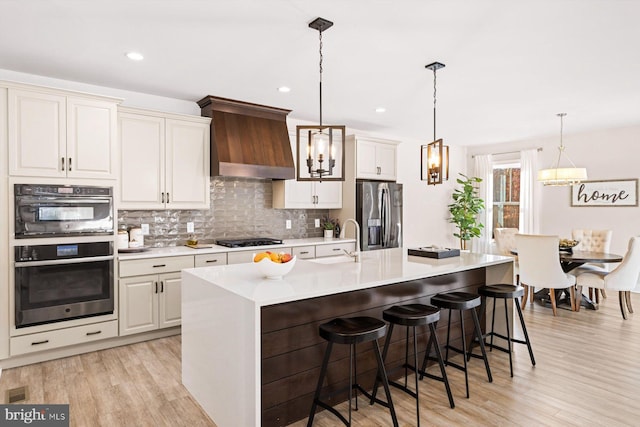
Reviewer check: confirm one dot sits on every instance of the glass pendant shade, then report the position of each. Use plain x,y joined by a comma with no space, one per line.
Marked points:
320,153
434,163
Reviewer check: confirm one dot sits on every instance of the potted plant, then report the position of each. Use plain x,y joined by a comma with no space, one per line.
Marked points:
465,209
329,225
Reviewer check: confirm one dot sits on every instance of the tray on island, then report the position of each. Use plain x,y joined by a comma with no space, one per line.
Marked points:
431,252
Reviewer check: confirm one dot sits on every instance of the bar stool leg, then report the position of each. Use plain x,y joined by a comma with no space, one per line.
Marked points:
506,317
415,371
434,339
385,382
446,348
493,322
464,352
385,350
323,372
524,330
474,315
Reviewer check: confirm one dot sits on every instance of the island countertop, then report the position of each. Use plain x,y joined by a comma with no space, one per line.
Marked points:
250,348
326,276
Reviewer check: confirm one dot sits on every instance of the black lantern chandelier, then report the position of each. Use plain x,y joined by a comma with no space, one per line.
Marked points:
434,159
320,148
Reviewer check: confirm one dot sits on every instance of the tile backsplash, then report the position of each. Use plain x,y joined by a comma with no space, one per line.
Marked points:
240,207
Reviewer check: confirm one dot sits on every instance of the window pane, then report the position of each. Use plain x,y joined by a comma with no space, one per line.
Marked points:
506,197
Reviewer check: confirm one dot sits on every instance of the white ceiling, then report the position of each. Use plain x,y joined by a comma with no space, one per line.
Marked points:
510,65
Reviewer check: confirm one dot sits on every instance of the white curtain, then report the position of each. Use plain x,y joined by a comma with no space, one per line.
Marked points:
529,190
484,170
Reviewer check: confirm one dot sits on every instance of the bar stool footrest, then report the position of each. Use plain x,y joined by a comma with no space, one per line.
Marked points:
333,411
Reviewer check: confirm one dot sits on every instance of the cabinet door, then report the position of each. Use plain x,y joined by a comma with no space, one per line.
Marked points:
138,304
328,195
91,138
141,142
386,161
187,164
366,166
170,300
37,134
291,194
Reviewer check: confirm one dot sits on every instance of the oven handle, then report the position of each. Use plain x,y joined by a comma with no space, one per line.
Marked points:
63,200
63,261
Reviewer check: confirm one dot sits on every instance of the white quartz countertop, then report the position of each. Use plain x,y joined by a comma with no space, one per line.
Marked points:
185,250
320,277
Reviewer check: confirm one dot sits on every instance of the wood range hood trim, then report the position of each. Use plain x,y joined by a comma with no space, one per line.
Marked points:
248,140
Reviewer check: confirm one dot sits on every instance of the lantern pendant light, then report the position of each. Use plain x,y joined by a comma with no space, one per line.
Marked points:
434,158
557,176
320,149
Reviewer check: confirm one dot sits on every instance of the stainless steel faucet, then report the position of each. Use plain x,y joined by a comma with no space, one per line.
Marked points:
355,254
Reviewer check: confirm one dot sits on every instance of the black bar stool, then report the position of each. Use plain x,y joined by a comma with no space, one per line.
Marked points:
505,292
352,331
461,301
412,315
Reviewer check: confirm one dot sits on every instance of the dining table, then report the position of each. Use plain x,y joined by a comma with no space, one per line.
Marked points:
569,260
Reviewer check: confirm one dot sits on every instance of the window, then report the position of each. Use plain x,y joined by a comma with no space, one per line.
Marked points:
506,195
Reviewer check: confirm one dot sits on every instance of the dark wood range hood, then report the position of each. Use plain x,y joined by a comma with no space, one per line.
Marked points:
248,140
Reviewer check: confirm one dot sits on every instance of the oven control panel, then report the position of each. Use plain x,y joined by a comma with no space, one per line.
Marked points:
62,251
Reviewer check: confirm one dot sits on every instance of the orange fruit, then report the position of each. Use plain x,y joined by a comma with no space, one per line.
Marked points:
259,257
274,257
285,257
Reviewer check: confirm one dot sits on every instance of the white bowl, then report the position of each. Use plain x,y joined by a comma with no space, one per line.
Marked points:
275,270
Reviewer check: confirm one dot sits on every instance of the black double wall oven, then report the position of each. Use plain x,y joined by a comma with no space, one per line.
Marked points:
58,278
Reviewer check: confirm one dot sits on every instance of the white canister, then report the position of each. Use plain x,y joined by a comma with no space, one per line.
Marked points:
123,239
136,239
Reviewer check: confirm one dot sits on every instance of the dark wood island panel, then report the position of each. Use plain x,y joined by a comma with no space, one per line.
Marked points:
292,350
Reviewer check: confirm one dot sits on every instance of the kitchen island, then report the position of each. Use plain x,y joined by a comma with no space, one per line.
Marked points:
250,346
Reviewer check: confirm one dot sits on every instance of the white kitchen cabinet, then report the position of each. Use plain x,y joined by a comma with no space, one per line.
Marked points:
151,301
210,260
375,158
304,252
291,194
164,160
61,134
334,249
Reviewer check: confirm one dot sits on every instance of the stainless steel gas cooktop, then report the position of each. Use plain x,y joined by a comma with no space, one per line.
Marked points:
251,241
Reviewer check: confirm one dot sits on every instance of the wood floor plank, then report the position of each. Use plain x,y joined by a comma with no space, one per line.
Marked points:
586,375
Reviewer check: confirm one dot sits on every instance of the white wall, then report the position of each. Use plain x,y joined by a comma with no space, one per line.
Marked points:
607,154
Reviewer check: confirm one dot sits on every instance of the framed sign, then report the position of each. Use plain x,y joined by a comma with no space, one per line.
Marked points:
621,192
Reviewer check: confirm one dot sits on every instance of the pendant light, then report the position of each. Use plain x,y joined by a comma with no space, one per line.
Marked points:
320,148
557,176
434,158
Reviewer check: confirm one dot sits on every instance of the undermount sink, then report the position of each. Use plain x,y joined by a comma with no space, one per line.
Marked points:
333,259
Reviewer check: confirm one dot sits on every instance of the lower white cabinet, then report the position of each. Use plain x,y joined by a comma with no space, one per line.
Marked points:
151,301
304,252
63,337
333,249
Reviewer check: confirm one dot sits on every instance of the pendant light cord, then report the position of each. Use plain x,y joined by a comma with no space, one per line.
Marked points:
320,36
434,104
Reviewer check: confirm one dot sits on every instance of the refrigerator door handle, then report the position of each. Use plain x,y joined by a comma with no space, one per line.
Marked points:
385,216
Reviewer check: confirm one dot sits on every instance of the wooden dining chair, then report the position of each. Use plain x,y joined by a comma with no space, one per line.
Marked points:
595,241
623,278
540,267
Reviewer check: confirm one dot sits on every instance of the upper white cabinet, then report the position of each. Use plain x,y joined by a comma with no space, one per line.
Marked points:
55,133
292,194
164,160
375,158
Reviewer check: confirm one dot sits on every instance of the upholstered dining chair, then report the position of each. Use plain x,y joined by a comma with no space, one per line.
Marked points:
623,278
506,242
539,265
595,241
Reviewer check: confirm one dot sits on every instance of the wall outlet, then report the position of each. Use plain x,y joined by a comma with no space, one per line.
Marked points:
145,229
287,224
317,222
190,228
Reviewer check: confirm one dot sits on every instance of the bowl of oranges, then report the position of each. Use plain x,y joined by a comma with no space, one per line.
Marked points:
274,265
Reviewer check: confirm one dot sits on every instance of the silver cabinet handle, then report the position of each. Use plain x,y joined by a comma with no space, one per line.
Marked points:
304,252
161,286
62,162
336,249
69,164
159,265
94,333
211,260
167,197
40,342
156,291
162,196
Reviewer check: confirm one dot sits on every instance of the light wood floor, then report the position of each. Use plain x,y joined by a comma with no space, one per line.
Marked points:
587,374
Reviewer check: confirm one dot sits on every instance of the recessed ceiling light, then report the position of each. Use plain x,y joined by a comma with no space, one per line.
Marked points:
135,56
380,110
284,89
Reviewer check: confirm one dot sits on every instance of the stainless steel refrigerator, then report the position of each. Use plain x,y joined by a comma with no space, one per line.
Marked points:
379,214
